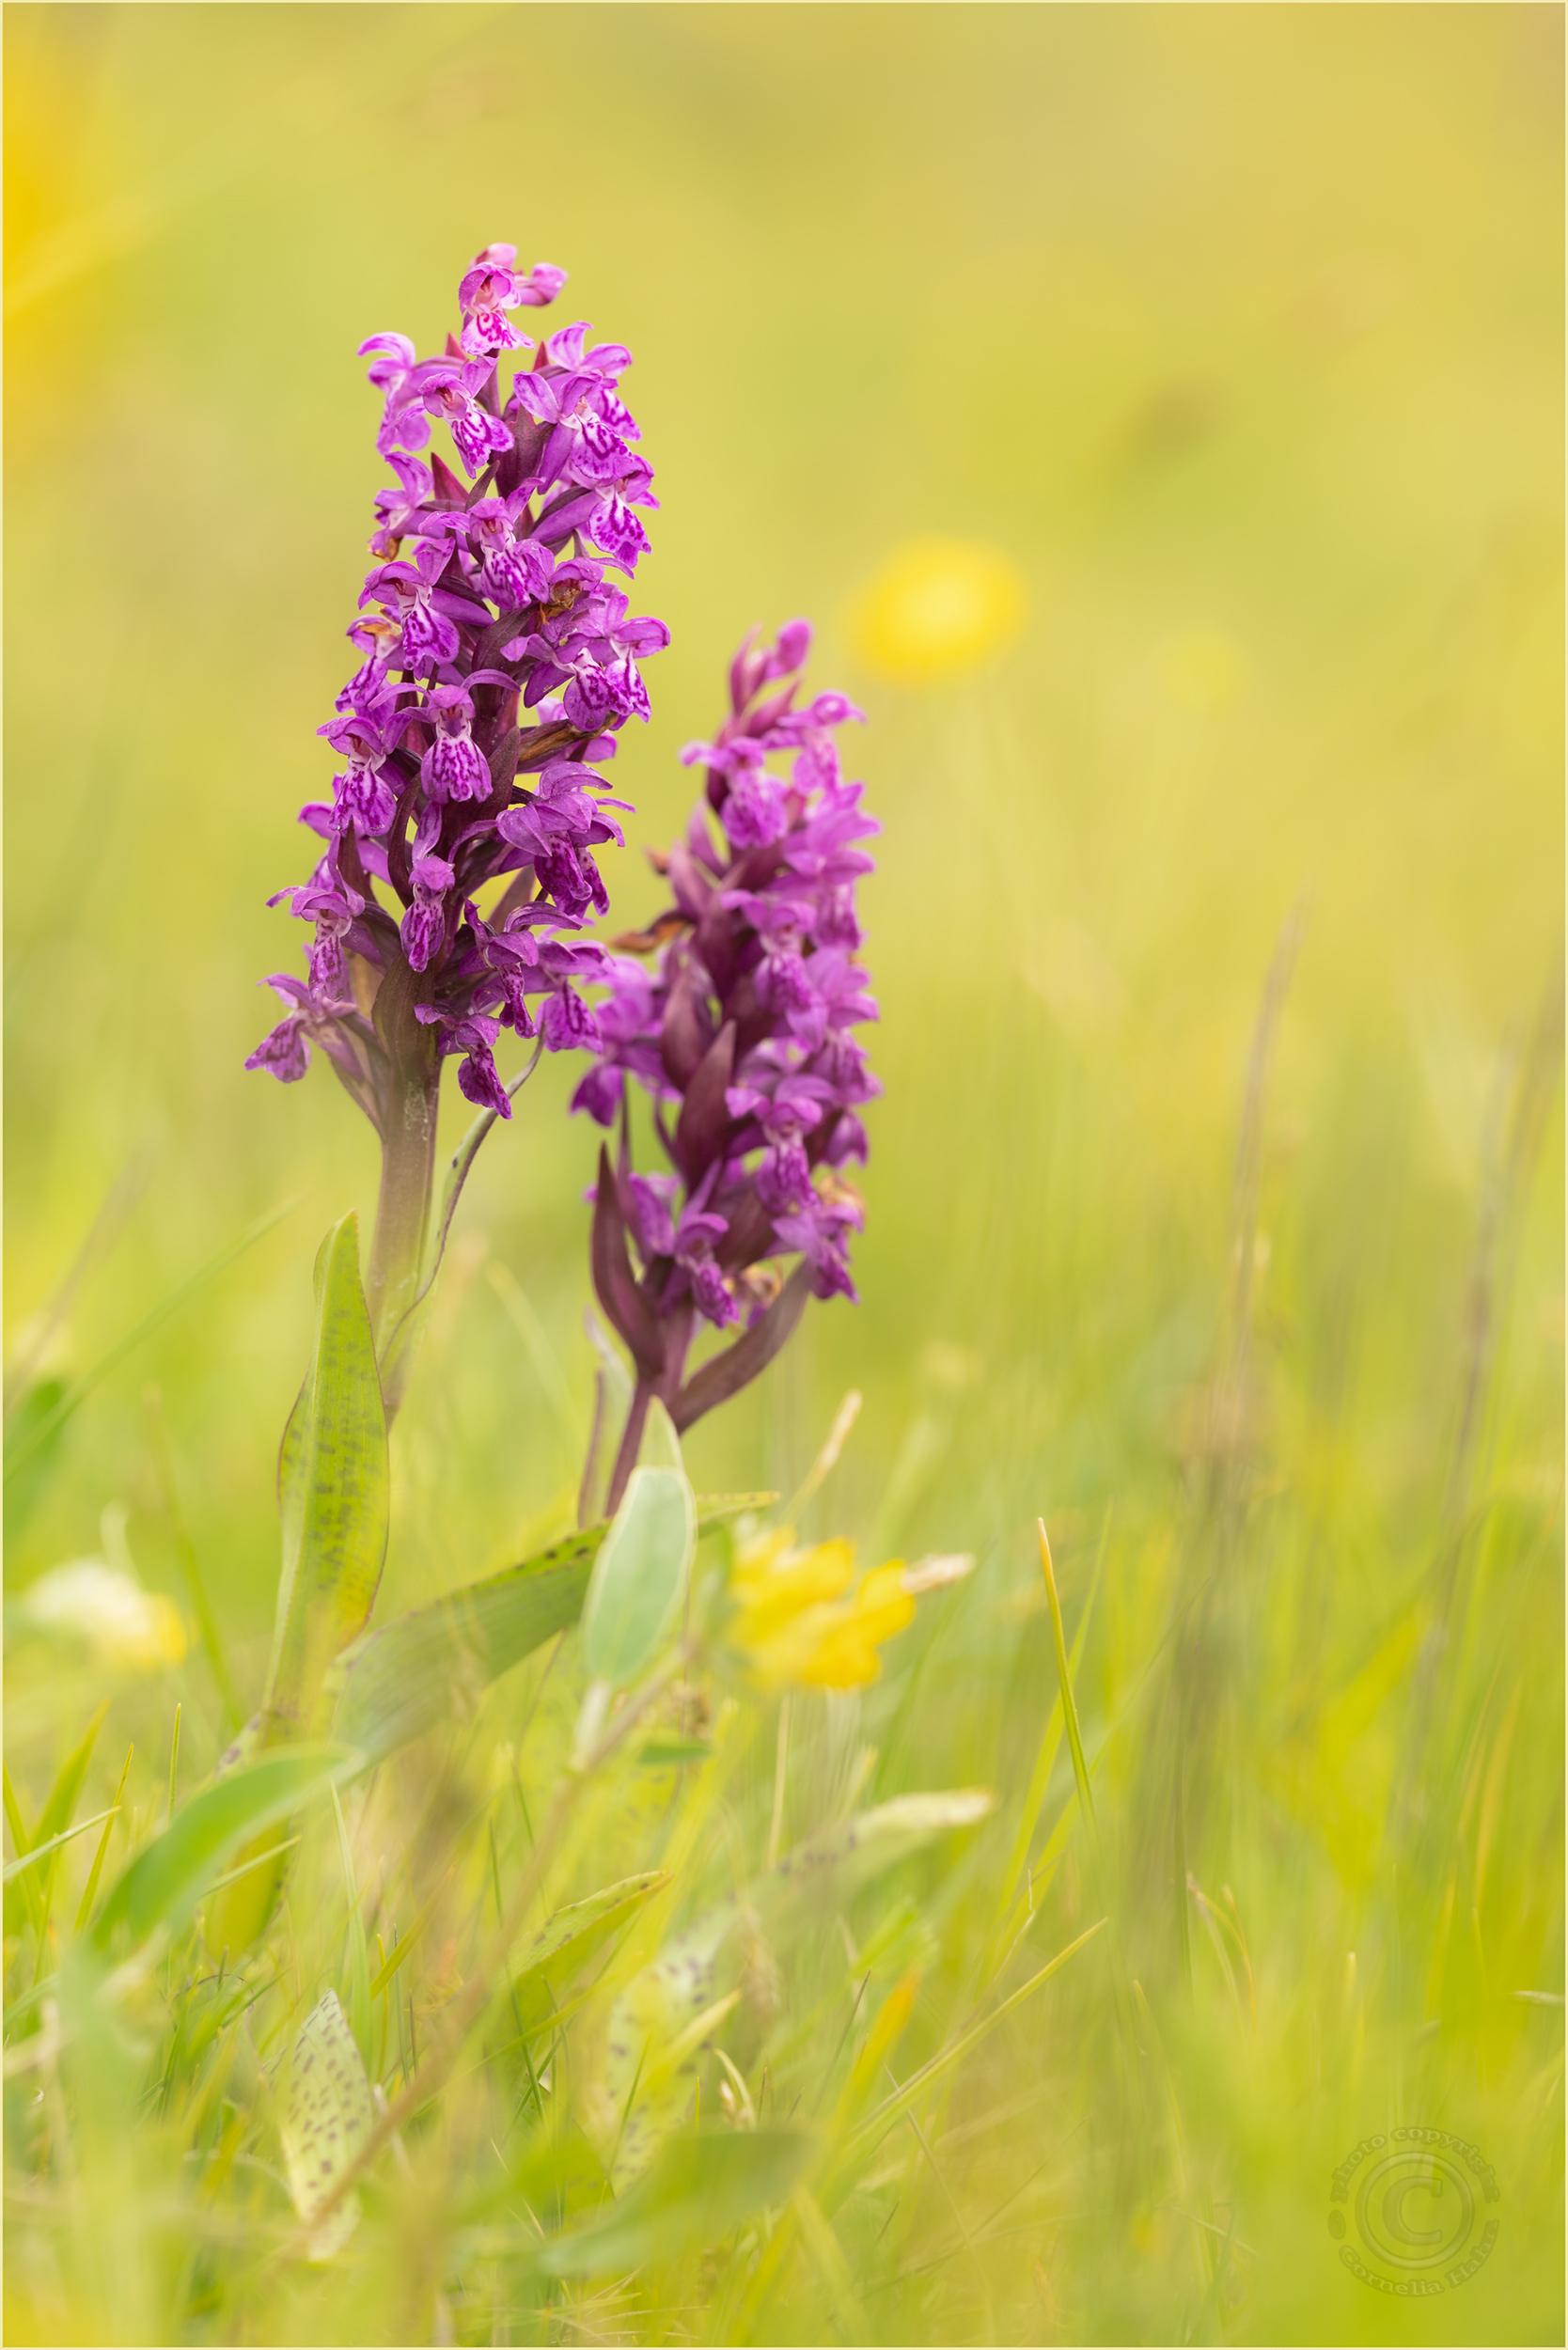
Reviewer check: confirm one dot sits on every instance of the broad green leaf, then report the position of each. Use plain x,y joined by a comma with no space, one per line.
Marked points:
648,2095
702,2184
415,1672
434,1663
661,1446
568,1940
326,2116
717,1509
169,1877
640,1578
333,1478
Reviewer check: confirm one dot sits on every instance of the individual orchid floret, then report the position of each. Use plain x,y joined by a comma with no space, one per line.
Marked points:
493,287
742,1037
496,663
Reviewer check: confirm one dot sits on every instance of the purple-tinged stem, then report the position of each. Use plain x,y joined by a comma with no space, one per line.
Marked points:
666,1386
407,1154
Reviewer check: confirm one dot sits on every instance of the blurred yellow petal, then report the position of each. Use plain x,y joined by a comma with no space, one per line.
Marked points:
784,1660
937,607
846,1657
770,1597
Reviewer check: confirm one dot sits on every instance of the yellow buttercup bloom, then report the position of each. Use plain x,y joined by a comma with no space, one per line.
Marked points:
937,607
797,1621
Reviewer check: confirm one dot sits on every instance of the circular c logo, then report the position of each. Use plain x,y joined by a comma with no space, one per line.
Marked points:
1416,2196
1415,2210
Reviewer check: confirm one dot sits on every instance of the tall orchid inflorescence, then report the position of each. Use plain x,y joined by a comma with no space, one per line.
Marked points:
498,660
743,1036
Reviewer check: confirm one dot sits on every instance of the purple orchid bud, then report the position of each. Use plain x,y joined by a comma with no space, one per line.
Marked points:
460,759
794,644
742,1037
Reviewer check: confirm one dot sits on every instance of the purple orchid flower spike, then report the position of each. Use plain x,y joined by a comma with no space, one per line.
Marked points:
497,663
743,1039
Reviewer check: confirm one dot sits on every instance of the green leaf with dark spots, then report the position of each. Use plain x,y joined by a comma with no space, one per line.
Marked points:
332,1487
435,1663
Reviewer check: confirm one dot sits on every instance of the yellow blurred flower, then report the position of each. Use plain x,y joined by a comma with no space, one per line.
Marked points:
109,1611
939,607
797,1621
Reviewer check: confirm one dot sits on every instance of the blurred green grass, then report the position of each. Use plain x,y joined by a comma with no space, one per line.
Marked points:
1240,331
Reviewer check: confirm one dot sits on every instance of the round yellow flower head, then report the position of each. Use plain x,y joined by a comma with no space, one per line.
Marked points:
797,1621
937,607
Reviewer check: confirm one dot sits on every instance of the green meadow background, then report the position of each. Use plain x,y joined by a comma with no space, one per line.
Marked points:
1239,330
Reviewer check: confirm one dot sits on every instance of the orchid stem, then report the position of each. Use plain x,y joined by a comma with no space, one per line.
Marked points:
407,1156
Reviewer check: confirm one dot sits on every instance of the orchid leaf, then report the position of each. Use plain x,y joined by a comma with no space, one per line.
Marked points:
328,2115
568,1940
419,1669
333,1482
640,1578
435,1662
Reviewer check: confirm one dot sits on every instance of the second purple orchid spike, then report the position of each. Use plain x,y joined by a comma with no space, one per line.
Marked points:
742,1037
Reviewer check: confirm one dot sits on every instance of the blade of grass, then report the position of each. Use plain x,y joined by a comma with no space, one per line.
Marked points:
91,1893
168,1491
1086,1805
1068,1705
881,2117
77,1395
359,1965
23,1842
40,1851
1040,1778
